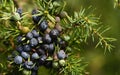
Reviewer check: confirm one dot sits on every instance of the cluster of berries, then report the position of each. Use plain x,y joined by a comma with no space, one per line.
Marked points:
38,48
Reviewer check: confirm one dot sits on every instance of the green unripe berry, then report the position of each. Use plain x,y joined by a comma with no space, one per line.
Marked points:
26,72
62,62
15,17
55,64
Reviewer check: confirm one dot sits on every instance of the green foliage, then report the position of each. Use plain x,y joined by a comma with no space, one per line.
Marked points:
77,29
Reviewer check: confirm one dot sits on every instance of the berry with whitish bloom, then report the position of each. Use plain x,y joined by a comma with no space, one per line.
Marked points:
42,59
29,64
33,42
19,48
62,62
29,35
40,40
54,33
43,25
61,54
35,56
35,33
47,38
26,47
25,55
18,60
62,44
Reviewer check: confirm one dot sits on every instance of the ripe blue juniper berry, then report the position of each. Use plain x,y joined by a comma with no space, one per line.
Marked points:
18,59
43,25
29,35
47,39
27,48
35,18
25,55
19,10
35,33
33,42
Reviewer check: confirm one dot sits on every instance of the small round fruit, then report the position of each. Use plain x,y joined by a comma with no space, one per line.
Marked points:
29,64
61,54
35,56
55,64
26,47
57,19
47,39
18,59
36,19
40,40
25,29
58,27
62,62
26,72
19,39
19,11
25,55
63,14
45,47
40,51
35,33
43,58
54,33
43,25
62,44
51,48
29,35
15,17
19,48
33,42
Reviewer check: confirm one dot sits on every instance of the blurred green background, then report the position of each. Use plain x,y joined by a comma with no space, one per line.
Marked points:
100,63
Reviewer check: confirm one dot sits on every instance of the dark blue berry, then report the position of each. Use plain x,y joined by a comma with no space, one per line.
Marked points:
62,44
42,59
35,56
51,48
43,26
40,40
61,54
33,42
19,10
29,35
54,33
47,38
25,55
45,46
18,59
19,39
35,33
35,18
19,48
40,51
26,47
